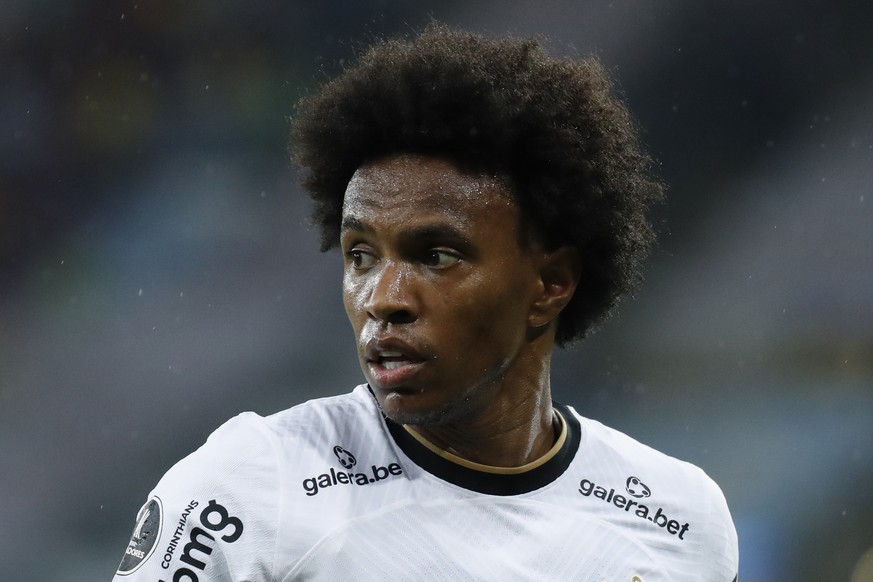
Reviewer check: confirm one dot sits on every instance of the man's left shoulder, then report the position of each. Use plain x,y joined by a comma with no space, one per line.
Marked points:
640,475
646,485
611,450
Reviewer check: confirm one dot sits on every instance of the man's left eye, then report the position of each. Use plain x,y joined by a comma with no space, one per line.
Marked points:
440,259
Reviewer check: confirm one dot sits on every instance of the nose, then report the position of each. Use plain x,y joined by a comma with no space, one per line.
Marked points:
391,298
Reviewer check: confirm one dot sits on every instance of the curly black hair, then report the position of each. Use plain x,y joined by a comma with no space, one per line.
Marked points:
553,126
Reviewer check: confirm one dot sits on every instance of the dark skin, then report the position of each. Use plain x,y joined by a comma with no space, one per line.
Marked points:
453,313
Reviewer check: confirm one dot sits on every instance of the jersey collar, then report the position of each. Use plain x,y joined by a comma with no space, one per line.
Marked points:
491,482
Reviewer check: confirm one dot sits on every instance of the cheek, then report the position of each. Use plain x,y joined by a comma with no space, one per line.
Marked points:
485,320
353,298
483,339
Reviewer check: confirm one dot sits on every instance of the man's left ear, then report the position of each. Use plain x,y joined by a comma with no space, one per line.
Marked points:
559,275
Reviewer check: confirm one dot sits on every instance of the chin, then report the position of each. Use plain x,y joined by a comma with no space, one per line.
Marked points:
403,409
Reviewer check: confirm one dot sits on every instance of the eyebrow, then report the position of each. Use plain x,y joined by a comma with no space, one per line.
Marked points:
352,223
429,231
436,231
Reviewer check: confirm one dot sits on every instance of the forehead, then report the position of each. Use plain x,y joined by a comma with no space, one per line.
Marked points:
412,184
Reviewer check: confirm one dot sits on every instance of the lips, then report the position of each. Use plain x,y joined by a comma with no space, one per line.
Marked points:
392,362
390,349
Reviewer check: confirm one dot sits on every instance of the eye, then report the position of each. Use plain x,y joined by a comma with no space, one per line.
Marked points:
361,259
440,259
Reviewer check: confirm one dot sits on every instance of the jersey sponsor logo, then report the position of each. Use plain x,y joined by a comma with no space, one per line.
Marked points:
313,485
177,535
589,488
196,552
144,538
637,488
345,458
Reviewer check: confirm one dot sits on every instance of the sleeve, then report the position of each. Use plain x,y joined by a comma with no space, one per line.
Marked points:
213,516
721,553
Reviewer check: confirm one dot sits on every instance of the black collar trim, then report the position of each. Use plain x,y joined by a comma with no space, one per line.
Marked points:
490,483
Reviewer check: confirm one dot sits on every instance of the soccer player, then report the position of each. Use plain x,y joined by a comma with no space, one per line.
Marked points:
489,202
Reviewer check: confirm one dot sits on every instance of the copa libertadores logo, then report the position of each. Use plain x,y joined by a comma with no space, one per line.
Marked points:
331,476
144,538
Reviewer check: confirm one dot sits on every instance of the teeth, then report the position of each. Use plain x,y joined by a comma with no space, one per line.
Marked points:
394,364
390,354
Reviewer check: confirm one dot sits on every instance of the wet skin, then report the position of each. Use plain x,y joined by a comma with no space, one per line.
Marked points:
454,317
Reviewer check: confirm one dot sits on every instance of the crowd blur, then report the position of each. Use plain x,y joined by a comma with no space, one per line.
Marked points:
158,274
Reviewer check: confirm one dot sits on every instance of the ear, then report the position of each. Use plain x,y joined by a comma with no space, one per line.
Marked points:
559,273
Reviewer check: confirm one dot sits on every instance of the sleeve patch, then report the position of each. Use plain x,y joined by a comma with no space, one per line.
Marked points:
144,538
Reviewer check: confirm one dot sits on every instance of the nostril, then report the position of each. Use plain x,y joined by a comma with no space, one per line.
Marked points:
400,316
395,316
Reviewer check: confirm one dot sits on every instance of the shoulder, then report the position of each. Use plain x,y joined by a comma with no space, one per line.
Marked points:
209,512
324,414
220,508
303,432
249,446
611,450
687,505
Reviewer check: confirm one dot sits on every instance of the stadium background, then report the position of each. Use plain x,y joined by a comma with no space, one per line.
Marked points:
157,274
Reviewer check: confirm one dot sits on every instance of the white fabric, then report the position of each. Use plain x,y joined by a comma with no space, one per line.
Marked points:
265,502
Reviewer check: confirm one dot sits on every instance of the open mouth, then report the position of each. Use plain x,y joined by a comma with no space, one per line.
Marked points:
392,363
393,360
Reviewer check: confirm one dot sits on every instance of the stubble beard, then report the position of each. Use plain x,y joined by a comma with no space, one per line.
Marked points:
458,410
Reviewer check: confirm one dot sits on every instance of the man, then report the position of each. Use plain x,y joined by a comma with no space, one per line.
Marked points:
489,203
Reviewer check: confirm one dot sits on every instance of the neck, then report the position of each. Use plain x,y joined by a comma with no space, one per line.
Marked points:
514,423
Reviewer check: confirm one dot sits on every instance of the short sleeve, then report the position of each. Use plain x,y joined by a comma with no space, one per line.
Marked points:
722,552
213,515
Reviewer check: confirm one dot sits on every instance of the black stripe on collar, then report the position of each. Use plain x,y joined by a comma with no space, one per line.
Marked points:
491,483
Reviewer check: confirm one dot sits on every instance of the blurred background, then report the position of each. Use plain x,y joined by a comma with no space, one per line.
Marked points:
158,274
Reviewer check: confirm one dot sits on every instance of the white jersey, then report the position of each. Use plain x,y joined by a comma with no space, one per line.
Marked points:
331,490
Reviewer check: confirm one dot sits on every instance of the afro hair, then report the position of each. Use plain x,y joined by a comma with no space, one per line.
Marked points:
552,126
